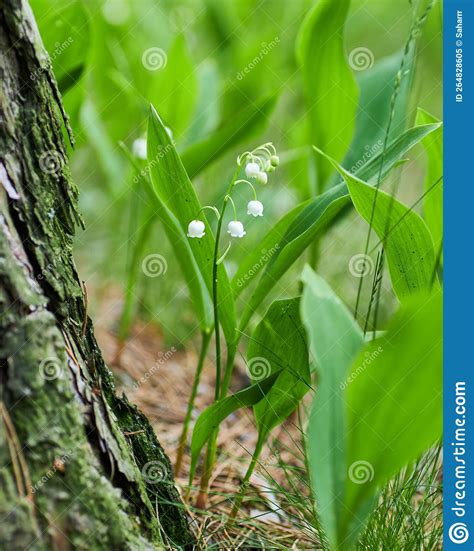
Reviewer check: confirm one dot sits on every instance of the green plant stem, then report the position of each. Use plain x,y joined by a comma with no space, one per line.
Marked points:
248,474
205,340
212,446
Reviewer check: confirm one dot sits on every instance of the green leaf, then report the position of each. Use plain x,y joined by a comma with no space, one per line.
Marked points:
206,116
242,126
433,201
213,416
174,189
400,372
330,87
182,253
279,343
375,104
335,339
299,228
174,87
406,238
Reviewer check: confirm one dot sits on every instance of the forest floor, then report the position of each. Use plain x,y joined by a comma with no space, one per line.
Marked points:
277,512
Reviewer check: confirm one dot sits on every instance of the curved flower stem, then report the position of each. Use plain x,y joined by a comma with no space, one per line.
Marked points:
210,207
229,198
206,339
250,184
212,446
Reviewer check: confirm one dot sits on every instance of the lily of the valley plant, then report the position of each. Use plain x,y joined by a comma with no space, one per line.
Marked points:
257,164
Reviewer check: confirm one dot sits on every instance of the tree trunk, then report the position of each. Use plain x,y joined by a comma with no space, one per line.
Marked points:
80,467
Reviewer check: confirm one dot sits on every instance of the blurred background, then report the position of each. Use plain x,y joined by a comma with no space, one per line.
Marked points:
205,65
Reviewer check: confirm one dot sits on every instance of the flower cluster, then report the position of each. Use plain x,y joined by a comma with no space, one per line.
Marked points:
258,164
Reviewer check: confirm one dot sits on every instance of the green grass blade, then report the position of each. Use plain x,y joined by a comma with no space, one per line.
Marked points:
373,112
330,87
335,339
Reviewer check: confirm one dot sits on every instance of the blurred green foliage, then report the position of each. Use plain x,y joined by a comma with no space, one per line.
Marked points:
203,64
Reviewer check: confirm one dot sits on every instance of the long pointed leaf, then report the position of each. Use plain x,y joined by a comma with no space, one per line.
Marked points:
175,190
213,416
405,236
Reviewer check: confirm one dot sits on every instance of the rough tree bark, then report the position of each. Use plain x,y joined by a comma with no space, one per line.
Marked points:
80,467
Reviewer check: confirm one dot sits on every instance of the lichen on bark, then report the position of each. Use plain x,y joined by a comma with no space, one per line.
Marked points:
72,476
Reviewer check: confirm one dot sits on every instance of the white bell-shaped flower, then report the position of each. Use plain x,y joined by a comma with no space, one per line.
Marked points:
255,208
236,229
252,170
262,178
196,228
139,148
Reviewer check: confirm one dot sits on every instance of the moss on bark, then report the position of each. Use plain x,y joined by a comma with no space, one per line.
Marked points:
71,477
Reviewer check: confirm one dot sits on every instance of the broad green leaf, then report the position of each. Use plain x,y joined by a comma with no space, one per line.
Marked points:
394,406
173,89
174,189
213,416
433,201
330,87
279,343
299,229
405,236
335,339
375,104
231,132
